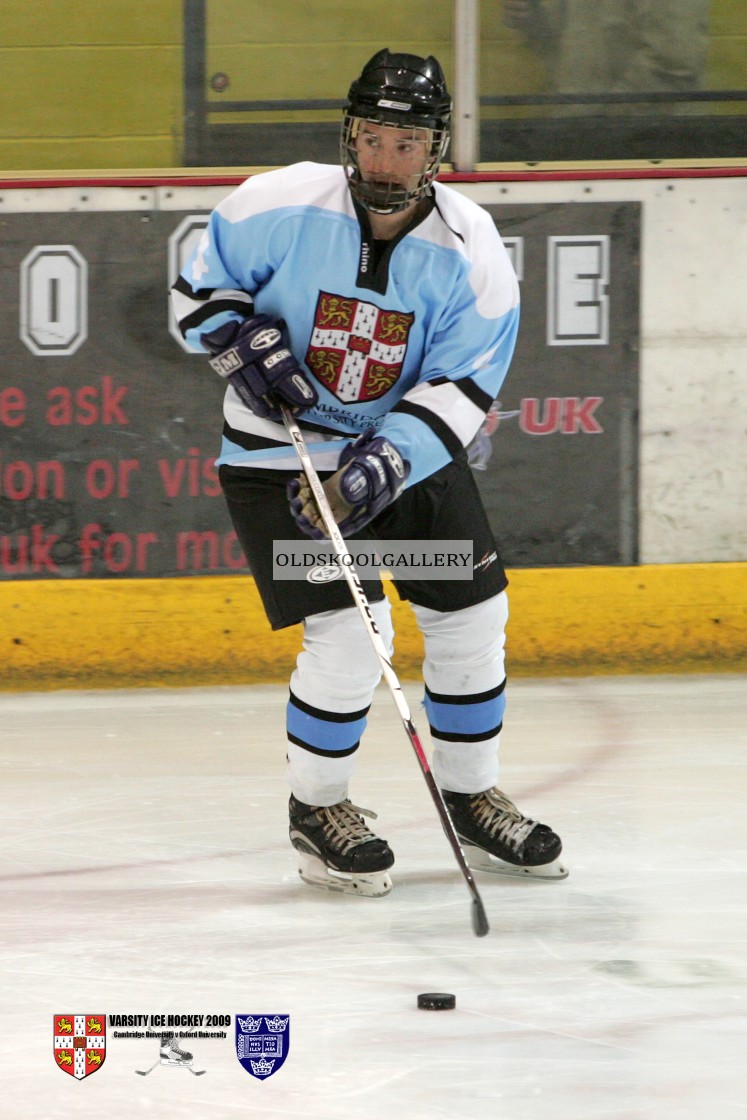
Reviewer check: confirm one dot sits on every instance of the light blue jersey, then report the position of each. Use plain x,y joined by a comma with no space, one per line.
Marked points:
412,337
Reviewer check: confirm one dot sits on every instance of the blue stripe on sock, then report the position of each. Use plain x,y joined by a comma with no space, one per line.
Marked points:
465,718
327,735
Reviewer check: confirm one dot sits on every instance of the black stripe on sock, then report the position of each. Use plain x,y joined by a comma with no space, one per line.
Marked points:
464,737
473,698
330,717
319,750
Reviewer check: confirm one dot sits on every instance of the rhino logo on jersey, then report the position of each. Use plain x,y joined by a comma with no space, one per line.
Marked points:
357,349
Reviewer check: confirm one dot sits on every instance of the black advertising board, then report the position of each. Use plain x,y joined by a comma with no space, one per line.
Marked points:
561,484
109,428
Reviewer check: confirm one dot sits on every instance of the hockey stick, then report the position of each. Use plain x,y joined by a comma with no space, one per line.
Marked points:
145,1072
478,915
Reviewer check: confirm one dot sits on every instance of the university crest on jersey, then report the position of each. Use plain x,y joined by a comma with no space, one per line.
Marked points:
356,348
262,1043
79,1043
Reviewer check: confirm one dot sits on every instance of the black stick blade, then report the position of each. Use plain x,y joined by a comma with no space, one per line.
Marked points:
479,918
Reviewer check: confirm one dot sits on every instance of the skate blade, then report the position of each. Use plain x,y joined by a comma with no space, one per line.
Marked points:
371,884
479,860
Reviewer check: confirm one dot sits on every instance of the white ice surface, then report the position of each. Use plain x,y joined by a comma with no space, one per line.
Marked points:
146,869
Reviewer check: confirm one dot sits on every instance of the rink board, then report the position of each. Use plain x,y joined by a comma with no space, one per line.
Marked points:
111,427
95,634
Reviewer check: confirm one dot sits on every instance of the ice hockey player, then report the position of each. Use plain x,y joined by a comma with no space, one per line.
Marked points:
382,308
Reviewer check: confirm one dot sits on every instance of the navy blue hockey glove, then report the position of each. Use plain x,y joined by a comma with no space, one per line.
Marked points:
371,475
255,358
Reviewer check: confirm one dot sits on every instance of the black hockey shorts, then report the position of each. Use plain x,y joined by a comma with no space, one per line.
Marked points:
445,506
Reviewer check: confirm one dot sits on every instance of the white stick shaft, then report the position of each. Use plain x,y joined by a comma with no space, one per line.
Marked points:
479,917
342,550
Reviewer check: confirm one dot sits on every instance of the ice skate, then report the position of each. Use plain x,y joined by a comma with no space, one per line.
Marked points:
337,850
173,1055
496,837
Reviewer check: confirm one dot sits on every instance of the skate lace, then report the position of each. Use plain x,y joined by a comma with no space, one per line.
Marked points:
174,1046
499,817
344,826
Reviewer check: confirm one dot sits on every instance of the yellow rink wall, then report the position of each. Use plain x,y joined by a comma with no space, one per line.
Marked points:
211,630
100,84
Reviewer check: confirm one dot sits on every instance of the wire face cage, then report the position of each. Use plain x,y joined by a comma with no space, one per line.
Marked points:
387,195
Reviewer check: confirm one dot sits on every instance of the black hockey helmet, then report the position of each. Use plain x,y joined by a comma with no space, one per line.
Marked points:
403,91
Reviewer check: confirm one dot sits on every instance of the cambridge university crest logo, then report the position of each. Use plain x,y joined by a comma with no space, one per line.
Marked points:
357,349
79,1043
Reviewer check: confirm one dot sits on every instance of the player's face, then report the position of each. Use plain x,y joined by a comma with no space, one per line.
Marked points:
392,156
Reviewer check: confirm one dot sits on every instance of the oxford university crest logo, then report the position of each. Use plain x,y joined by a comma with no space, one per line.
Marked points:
357,349
79,1043
262,1043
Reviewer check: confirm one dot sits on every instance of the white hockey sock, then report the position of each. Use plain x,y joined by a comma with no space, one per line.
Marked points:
331,691
465,679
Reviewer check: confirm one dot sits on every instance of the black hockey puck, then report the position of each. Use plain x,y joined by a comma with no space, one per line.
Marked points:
436,1001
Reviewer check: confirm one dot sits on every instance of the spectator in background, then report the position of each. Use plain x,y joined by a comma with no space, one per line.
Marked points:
617,46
